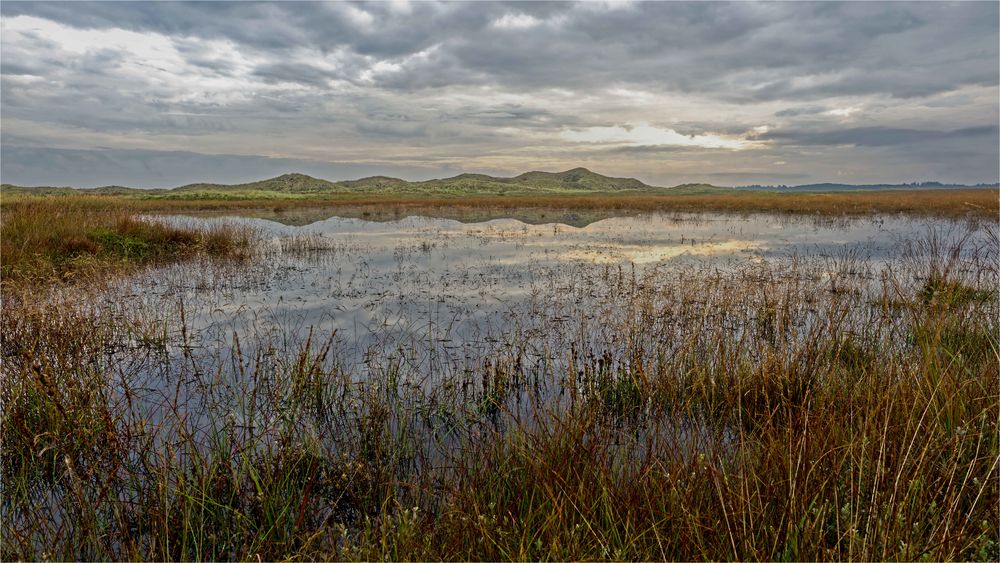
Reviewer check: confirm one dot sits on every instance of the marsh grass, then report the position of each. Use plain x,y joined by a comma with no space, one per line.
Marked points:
975,203
769,414
45,239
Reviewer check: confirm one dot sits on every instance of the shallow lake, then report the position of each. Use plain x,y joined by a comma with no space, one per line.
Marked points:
455,327
442,293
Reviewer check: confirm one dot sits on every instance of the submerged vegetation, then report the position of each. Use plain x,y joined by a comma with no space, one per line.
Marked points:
787,410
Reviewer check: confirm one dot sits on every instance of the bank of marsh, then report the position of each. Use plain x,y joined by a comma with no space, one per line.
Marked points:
662,387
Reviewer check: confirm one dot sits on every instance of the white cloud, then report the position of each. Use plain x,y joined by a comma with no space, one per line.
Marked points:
517,21
149,63
842,112
400,6
156,49
358,17
605,5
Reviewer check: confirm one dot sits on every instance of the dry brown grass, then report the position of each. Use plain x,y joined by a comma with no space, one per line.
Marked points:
48,239
941,203
982,203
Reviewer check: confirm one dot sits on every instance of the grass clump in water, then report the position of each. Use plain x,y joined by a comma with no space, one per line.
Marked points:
61,239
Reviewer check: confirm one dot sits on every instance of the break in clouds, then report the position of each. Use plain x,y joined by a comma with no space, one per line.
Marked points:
161,94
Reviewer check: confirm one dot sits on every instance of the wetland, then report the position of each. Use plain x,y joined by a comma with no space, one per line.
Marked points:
560,383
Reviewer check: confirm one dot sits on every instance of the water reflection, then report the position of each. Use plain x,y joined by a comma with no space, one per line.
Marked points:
440,292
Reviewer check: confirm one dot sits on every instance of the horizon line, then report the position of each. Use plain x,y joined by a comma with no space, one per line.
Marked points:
914,183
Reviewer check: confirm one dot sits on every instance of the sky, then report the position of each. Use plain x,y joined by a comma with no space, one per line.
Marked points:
163,94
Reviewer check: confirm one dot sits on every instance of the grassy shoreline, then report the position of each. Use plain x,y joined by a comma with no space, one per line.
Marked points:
981,203
46,240
61,237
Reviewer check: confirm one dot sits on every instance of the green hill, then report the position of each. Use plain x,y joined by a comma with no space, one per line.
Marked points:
286,183
575,181
374,183
578,181
10,189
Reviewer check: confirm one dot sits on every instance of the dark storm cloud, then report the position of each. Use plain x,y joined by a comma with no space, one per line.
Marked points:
805,110
735,178
19,69
507,115
167,169
258,24
853,48
739,52
653,149
882,136
392,129
301,73
497,85
273,26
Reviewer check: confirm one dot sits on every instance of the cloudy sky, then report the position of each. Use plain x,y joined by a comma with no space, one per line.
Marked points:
161,94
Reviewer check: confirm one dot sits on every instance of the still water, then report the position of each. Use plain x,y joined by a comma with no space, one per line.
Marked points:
441,292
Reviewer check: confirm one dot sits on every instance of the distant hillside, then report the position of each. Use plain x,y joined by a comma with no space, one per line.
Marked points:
374,183
575,181
286,183
580,178
44,190
578,181
833,187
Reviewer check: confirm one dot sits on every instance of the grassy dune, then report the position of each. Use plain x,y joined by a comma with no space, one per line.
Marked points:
578,180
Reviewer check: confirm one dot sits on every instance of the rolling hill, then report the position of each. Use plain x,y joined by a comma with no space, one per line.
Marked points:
575,181
286,183
578,181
